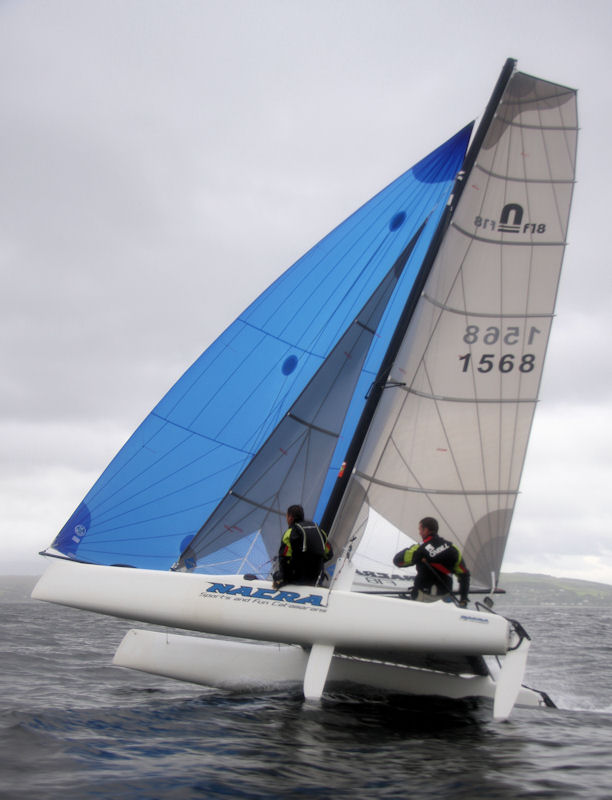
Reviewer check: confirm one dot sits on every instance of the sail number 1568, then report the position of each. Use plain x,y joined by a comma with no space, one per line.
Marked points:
509,336
505,363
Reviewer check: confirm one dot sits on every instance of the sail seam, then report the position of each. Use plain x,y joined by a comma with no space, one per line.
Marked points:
200,435
305,350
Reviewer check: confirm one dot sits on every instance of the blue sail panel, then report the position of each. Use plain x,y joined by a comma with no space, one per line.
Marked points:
292,465
174,470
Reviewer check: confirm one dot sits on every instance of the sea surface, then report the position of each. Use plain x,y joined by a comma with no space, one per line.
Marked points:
74,726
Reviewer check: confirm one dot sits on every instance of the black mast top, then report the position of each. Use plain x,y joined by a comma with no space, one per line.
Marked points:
378,386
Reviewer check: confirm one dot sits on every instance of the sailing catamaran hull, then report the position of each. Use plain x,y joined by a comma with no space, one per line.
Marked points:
375,641
353,623
251,666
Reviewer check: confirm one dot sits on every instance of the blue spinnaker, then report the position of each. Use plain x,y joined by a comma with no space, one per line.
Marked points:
172,473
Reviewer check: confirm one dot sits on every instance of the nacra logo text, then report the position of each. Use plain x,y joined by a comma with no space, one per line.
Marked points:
510,221
276,595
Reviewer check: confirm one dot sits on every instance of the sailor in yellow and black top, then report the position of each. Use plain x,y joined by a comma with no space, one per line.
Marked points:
303,551
436,561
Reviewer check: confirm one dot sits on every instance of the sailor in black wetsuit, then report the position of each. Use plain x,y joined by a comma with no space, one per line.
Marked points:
436,561
303,551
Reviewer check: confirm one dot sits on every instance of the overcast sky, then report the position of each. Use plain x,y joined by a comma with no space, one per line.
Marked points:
162,162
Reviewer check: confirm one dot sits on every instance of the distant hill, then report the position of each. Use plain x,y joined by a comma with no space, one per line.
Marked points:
520,587
531,589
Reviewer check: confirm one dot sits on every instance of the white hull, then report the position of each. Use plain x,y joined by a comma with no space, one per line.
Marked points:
394,639
246,665
352,622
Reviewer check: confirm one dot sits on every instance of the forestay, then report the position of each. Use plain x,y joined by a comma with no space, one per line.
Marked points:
450,433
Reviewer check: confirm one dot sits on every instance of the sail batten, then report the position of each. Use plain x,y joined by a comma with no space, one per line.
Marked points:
313,427
424,490
269,509
490,314
510,179
467,398
513,124
506,242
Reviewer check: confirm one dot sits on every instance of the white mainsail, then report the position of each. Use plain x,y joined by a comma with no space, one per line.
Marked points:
450,433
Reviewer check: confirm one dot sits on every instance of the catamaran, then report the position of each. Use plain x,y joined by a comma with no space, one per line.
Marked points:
391,373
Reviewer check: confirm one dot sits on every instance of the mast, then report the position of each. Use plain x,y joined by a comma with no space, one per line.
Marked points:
380,382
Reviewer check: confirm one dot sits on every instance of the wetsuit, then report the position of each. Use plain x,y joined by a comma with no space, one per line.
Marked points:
436,561
303,551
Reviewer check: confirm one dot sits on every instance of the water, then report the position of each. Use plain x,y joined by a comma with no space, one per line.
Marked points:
73,726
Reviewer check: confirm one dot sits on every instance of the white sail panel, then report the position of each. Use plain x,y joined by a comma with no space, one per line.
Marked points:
449,436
